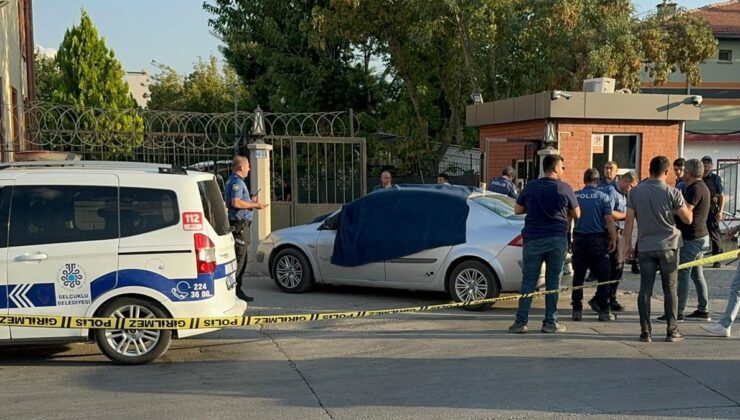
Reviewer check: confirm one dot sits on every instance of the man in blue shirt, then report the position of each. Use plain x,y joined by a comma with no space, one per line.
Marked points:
504,184
594,237
610,174
549,203
240,207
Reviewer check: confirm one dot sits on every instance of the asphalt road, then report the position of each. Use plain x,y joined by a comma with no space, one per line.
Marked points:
434,365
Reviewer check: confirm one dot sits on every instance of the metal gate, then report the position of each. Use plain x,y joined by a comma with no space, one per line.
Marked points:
317,155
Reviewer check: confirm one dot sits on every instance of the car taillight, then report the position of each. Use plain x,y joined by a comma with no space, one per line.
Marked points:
518,241
205,254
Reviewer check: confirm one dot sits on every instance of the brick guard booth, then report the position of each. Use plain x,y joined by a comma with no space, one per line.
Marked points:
587,129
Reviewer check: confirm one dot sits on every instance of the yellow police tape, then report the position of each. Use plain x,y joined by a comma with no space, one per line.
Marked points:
77,322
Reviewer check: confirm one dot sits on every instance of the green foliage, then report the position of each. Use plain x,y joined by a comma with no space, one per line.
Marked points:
47,77
676,41
314,55
272,46
92,78
205,89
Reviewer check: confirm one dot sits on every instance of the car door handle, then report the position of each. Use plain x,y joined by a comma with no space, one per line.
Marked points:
37,257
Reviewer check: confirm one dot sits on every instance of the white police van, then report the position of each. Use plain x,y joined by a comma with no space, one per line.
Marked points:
113,239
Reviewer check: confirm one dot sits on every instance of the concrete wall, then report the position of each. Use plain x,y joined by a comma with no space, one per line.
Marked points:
12,71
138,86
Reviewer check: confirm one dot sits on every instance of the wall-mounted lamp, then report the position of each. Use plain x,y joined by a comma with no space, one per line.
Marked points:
477,96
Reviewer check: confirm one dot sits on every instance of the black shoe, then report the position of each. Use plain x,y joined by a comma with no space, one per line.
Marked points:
607,316
616,306
717,265
645,337
594,306
577,314
699,316
243,296
663,318
674,337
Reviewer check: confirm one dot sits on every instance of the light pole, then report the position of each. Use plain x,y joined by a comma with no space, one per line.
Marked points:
258,126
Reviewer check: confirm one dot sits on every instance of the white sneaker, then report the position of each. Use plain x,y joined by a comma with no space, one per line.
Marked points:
717,329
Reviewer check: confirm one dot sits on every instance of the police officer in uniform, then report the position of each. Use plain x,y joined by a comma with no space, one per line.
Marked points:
504,184
618,194
716,207
240,208
594,237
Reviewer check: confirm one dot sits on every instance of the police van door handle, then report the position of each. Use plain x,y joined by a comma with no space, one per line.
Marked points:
37,257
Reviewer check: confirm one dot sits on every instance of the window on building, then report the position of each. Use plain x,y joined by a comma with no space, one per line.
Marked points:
725,55
622,148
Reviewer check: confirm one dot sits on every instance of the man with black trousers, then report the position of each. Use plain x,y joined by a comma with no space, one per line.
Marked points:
594,237
655,203
240,206
716,207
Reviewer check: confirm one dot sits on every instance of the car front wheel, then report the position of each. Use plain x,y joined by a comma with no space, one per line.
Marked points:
292,271
471,281
132,347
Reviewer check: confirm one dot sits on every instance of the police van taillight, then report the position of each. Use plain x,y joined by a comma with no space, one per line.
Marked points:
205,254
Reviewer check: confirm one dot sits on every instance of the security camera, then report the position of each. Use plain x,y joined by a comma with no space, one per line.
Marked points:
697,100
557,94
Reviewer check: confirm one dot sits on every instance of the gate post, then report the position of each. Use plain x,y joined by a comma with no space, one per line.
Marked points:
259,161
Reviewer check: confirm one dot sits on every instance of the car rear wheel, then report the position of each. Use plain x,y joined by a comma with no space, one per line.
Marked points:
292,271
132,347
471,281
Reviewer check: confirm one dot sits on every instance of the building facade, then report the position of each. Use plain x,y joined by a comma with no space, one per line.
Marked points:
587,129
138,86
17,83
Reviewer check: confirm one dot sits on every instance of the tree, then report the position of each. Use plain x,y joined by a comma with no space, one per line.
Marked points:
92,78
273,47
205,89
676,41
47,76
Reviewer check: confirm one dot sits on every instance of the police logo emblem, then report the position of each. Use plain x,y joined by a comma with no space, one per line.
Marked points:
235,187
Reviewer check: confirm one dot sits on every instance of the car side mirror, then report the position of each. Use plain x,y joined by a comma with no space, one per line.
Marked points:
330,223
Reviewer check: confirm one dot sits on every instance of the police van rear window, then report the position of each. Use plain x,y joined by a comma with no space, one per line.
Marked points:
214,207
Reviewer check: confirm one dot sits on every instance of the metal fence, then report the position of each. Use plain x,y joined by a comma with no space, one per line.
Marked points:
317,162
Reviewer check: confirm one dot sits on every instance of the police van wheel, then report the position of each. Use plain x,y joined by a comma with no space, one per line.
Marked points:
473,280
292,271
132,347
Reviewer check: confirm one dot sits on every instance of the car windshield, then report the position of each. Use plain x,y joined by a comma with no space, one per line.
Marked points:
499,204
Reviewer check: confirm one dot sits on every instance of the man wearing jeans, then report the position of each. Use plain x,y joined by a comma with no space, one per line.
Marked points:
548,203
654,203
724,327
695,238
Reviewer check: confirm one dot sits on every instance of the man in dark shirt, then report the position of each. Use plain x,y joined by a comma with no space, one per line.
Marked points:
695,238
594,237
548,203
654,204
717,204
504,184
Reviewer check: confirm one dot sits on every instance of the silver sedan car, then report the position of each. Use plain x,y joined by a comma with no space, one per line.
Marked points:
487,263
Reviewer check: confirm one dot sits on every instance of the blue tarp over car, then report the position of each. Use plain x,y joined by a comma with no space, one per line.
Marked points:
394,223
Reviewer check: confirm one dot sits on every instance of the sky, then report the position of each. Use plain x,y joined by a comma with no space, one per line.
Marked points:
172,32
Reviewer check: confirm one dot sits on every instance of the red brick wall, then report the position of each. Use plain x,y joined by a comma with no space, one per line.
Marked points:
656,138
501,155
